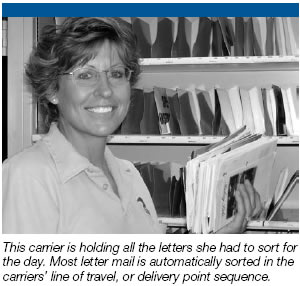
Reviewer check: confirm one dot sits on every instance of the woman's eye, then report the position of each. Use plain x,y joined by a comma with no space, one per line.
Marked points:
117,74
84,75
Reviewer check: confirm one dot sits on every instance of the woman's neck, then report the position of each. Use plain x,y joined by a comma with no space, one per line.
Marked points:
91,147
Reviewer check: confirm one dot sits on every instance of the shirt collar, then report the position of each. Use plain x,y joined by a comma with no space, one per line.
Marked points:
68,161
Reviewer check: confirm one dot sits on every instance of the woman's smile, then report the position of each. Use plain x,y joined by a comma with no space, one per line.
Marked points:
101,109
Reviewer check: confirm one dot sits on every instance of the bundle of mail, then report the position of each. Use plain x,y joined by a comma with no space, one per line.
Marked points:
214,172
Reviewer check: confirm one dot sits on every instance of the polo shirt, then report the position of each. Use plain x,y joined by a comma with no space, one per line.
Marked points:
50,188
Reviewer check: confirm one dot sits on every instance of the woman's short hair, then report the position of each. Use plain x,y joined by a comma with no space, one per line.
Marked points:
64,47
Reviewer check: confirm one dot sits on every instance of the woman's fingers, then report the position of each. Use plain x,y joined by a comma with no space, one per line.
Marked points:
251,193
248,205
255,200
251,202
258,206
239,223
246,200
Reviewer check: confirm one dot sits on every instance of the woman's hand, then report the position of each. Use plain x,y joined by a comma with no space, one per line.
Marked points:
248,206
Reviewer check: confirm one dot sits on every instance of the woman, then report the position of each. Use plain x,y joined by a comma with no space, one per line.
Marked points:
69,182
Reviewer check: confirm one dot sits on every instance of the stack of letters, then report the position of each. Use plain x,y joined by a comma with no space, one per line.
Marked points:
214,172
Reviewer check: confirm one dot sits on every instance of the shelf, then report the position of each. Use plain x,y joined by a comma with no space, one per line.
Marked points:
273,225
252,225
174,140
220,63
182,140
173,221
162,140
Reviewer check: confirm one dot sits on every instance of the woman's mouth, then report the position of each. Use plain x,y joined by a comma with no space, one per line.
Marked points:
101,109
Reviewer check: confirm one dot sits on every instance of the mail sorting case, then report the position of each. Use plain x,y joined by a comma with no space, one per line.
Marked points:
215,66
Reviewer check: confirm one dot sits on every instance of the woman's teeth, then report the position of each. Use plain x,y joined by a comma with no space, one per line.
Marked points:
101,109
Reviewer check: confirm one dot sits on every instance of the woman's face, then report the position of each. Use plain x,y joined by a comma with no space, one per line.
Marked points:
96,110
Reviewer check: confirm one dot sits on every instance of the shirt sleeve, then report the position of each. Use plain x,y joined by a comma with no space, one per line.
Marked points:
29,204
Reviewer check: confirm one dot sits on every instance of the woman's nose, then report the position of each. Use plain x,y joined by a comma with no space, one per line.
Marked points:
103,87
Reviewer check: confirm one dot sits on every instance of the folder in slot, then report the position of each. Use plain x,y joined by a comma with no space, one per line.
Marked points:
141,29
201,47
181,47
131,123
150,122
162,45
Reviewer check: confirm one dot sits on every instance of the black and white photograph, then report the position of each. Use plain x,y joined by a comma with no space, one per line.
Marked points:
109,122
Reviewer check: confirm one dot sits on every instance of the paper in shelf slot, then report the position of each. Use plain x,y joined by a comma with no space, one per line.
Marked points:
280,44
292,96
131,124
165,182
287,109
228,35
163,110
201,46
282,193
217,38
247,110
142,31
267,112
174,111
239,37
149,123
280,111
292,28
187,117
259,35
212,178
226,109
162,46
205,111
236,105
258,109
180,47
248,37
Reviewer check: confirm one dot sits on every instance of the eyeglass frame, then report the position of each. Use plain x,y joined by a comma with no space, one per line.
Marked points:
98,73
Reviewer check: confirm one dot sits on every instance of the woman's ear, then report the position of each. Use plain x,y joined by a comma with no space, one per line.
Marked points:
53,99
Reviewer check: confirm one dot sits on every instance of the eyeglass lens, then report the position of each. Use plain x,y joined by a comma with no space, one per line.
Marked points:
88,77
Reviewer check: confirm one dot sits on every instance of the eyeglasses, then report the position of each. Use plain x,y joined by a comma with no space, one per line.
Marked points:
89,77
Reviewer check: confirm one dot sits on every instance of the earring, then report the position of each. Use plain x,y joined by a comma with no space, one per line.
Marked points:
54,100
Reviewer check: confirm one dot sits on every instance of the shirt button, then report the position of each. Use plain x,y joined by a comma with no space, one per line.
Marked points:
105,187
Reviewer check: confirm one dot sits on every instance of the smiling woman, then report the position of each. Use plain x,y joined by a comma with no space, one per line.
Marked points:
82,73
